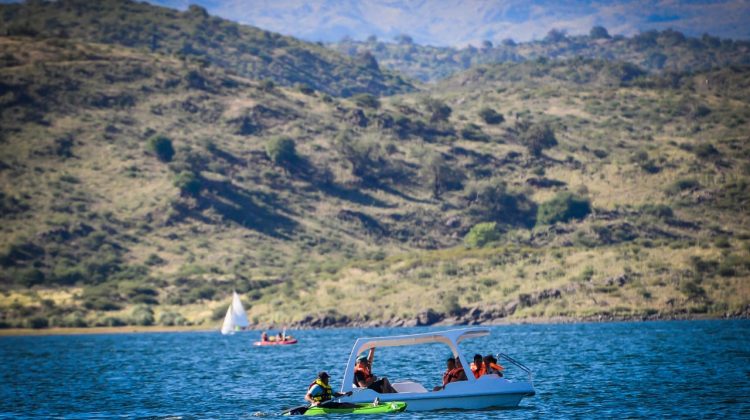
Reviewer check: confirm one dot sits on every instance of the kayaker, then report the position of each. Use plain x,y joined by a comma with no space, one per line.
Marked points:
491,366
264,336
319,391
364,378
477,367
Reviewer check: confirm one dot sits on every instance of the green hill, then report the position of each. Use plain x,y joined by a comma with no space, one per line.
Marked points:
654,51
193,34
141,187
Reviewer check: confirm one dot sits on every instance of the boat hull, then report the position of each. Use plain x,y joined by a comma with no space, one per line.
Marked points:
460,396
275,343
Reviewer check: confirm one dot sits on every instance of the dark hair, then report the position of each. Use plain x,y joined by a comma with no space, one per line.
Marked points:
477,356
451,359
322,375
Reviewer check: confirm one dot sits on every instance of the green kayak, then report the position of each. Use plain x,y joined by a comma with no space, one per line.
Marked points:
346,408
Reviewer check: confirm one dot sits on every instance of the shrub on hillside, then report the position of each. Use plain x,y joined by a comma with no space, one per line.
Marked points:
172,318
538,137
482,234
661,211
281,150
188,183
142,315
683,184
490,116
437,109
439,175
562,208
162,147
492,200
643,161
705,151
474,132
366,100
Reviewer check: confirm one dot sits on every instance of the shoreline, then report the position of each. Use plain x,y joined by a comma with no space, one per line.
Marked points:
29,332
129,329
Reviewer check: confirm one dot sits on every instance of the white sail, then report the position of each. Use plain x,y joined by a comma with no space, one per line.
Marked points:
236,317
239,315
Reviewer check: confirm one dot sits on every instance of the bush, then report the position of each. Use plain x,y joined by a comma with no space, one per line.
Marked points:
437,109
563,207
538,137
38,322
365,100
172,318
491,200
439,175
705,151
642,160
281,150
474,132
482,234
661,211
142,315
188,183
683,184
490,116
162,146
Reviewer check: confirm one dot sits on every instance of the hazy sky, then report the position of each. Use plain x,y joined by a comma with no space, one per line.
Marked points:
459,22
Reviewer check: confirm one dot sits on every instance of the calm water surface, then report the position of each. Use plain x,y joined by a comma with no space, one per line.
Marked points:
624,370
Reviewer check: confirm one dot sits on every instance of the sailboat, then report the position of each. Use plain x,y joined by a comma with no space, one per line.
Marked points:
236,318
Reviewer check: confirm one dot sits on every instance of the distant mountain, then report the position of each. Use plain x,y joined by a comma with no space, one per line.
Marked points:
458,23
194,34
655,51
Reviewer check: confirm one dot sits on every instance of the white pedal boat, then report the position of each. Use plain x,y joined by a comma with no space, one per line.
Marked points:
489,391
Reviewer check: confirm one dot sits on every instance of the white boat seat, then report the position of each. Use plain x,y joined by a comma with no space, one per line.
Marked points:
409,386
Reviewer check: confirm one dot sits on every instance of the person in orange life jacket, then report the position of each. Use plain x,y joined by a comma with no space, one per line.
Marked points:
364,378
451,374
319,391
477,367
491,366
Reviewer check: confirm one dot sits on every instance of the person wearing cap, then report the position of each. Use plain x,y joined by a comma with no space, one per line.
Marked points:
319,391
364,378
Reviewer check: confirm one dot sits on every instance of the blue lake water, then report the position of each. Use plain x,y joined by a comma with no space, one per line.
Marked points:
655,369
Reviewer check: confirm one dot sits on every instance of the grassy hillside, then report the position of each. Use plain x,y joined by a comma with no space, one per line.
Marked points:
141,188
654,51
193,34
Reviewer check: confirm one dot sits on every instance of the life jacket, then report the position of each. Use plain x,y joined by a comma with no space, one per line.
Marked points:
365,371
327,391
478,371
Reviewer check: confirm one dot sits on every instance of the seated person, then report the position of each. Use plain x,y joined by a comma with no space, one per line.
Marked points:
264,336
364,378
491,366
320,392
447,375
478,367
458,373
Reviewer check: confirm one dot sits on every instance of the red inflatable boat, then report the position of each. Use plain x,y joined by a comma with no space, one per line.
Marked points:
276,343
